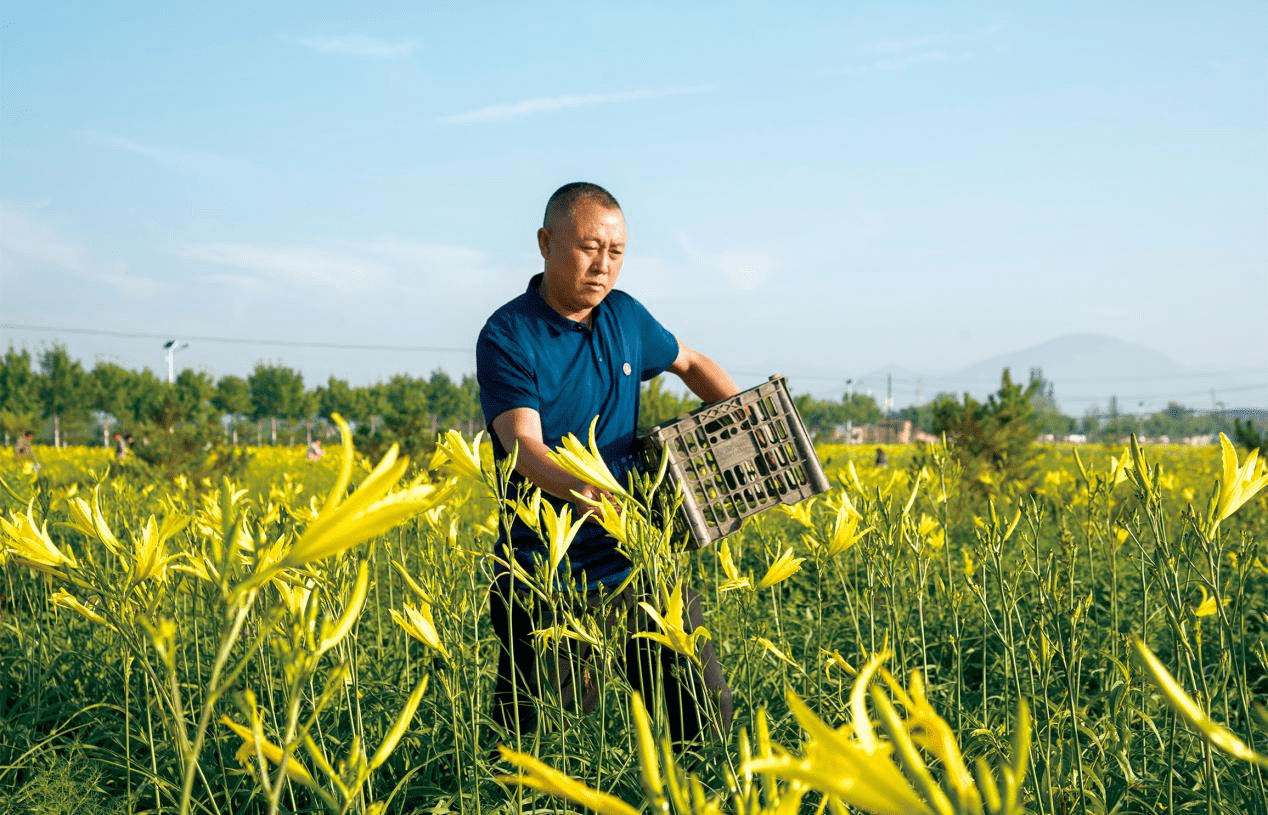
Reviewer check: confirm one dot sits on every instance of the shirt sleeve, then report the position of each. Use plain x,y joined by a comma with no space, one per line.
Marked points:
660,348
505,375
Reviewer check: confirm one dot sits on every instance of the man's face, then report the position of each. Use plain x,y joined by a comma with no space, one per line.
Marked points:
583,255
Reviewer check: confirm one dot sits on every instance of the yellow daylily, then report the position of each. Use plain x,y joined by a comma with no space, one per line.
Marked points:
672,633
370,511
540,776
30,545
847,762
1237,484
1119,465
89,521
150,557
775,651
734,580
463,460
931,531
560,530
1207,607
418,623
784,567
799,512
1182,703
253,742
584,462
65,599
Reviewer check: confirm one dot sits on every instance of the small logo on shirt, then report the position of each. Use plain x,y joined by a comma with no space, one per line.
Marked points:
628,370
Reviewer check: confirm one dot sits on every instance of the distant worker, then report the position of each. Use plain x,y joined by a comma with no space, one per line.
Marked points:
315,450
120,447
24,448
882,460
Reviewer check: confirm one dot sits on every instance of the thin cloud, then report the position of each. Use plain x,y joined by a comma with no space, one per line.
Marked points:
172,158
528,107
356,45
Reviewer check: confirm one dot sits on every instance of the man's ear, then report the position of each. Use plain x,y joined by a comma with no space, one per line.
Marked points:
543,243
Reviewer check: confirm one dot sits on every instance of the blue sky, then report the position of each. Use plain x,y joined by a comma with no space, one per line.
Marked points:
816,189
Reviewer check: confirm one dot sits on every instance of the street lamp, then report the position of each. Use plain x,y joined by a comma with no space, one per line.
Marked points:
172,347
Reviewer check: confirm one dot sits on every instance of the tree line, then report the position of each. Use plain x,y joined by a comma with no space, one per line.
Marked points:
53,395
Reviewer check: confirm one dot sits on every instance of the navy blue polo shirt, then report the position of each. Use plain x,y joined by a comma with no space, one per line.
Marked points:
531,356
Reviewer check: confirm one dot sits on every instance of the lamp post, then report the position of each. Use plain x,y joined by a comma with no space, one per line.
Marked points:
172,347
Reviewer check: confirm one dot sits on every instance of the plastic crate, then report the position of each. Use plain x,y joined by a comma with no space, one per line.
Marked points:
736,458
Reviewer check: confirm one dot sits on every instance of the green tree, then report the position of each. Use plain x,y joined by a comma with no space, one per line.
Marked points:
192,392
657,405
276,392
19,393
63,388
108,386
233,399
994,439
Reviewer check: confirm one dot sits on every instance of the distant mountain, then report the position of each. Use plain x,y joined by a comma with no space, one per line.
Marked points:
1082,359
1089,369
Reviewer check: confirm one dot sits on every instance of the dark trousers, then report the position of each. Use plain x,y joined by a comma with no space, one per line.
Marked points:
697,698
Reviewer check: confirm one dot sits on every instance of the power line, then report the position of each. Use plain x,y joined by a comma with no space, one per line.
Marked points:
241,340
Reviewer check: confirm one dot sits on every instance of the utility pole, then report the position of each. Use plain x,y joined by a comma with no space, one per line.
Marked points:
172,347
889,394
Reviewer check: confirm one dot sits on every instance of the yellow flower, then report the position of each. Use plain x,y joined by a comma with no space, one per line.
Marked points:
1119,465
648,761
418,623
539,776
560,530
253,742
845,530
784,567
150,558
672,634
1238,484
930,531
734,580
463,460
89,521
1182,703
65,599
846,762
799,512
1207,607
30,544
775,651
585,463
370,511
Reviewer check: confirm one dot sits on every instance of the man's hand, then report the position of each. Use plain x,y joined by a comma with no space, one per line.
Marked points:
523,427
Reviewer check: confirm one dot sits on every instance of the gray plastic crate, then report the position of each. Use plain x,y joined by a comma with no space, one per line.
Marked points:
736,458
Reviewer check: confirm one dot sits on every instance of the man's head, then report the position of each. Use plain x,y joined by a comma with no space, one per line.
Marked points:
582,241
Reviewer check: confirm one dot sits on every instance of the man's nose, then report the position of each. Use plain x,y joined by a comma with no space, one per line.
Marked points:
602,263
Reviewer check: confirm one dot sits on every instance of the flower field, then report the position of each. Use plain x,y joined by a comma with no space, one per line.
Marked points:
314,636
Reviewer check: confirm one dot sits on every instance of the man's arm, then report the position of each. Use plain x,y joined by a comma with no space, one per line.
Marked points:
523,426
706,378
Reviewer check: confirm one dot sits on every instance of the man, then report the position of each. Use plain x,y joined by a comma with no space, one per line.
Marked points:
568,349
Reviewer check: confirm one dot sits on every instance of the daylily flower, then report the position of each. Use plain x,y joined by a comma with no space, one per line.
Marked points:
775,651
1182,703
462,459
30,544
848,762
89,521
253,742
370,511
734,580
65,599
560,530
539,776
1237,484
150,557
672,634
784,567
585,463
799,512
1207,607
418,623
845,530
